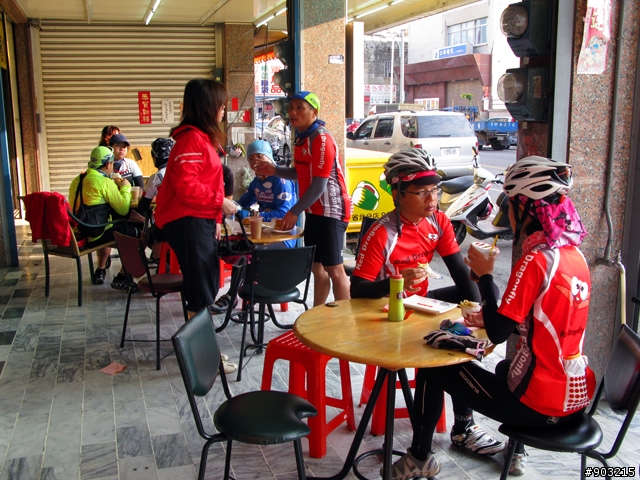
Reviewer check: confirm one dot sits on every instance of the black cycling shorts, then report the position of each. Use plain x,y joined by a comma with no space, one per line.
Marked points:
327,234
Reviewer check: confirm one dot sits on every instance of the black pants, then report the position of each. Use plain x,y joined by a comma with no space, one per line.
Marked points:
125,228
194,241
471,387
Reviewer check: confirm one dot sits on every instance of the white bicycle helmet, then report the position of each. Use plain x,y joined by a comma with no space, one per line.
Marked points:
537,177
406,162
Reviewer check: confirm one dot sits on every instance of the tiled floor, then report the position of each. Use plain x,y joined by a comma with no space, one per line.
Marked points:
61,418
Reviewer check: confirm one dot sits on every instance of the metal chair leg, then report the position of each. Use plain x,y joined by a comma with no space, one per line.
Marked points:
245,317
297,447
158,332
47,272
79,266
507,461
227,463
92,270
184,307
126,318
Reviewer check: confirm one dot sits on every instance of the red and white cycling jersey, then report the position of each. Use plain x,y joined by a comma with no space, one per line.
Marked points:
548,295
317,156
382,251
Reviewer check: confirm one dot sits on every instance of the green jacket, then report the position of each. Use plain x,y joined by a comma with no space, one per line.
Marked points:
98,189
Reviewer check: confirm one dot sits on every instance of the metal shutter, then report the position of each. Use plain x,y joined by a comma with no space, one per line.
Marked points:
454,89
91,77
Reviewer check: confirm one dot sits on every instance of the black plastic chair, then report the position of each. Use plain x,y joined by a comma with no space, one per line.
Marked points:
621,384
272,277
134,261
350,265
258,417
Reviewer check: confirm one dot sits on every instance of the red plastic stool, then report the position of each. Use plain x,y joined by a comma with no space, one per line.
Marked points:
378,417
174,266
303,359
225,271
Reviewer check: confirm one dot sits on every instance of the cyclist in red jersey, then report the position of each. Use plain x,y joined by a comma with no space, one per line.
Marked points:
323,195
548,382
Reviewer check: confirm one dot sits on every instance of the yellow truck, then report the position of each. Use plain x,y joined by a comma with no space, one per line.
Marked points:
366,186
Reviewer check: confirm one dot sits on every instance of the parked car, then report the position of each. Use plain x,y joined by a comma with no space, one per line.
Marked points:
260,126
278,133
447,136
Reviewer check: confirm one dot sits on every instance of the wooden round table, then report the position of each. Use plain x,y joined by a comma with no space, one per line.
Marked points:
269,236
358,331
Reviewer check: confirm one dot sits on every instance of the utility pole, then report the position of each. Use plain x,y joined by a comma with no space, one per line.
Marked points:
401,66
391,77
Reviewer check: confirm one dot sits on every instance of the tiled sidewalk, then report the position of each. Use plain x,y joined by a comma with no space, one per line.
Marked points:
61,418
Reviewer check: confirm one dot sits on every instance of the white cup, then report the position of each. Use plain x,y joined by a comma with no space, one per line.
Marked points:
485,249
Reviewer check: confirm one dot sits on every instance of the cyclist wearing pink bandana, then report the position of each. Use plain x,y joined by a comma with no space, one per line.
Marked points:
548,381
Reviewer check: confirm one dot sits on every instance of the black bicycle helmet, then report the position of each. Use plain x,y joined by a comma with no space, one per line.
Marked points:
160,150
406,162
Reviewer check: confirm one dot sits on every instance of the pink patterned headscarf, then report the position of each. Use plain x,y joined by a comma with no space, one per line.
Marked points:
560,221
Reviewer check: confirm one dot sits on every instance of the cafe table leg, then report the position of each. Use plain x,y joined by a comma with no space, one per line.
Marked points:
387,449
351,460
388,435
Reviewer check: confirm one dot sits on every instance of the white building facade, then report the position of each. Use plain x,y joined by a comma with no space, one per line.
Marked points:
459,52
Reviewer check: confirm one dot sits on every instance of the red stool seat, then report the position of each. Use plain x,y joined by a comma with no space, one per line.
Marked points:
378,417
174,266
225,271
303,359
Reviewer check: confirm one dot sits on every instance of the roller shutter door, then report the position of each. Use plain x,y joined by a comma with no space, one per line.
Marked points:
454,89
92,74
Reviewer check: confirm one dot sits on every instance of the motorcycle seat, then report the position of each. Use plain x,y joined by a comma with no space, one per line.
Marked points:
456,185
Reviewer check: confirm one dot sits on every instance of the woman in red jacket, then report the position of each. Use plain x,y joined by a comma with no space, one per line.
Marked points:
190,200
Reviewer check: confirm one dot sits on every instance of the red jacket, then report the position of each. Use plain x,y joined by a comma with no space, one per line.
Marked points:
47,215
192,185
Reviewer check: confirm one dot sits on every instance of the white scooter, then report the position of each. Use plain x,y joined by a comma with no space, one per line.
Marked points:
470,211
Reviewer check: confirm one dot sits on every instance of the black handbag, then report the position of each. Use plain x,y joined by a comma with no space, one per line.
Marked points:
93,219
238,244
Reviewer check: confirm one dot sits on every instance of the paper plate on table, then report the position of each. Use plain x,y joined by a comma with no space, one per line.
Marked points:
282,231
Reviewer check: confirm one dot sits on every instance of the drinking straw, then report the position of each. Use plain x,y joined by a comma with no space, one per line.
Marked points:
495,240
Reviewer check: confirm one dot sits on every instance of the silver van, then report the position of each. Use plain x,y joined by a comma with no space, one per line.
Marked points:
447,136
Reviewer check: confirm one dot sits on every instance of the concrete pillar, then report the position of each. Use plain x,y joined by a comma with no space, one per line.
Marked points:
237,59
322,34
591,112
26,98
590,133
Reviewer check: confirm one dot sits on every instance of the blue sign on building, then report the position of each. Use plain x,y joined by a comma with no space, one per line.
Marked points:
452,51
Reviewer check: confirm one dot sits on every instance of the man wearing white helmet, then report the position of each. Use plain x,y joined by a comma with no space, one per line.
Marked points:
404,241
548,382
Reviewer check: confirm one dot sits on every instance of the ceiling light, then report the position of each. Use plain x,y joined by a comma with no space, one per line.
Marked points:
395,2
281,11
372,11
265,21
350,20
151,10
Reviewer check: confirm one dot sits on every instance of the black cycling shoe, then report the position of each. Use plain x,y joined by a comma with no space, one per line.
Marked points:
221,305
120,282
99,275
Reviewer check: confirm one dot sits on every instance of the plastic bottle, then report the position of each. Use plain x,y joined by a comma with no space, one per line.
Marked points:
396,305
